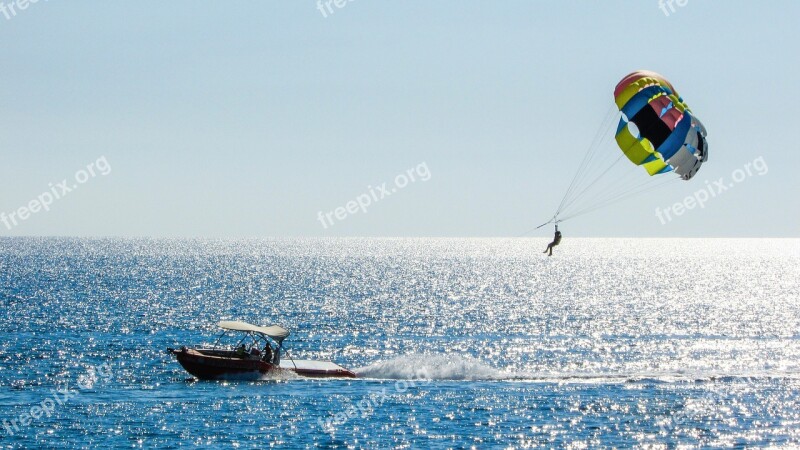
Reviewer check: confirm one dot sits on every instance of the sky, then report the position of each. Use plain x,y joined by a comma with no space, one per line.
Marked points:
413,118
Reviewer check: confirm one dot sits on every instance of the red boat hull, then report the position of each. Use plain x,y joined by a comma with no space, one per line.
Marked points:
212,367
208,367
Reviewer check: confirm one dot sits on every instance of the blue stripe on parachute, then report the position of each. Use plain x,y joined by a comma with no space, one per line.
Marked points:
640,100
675,141
621,125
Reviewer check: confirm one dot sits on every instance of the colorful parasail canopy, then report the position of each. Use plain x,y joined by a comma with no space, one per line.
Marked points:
657,129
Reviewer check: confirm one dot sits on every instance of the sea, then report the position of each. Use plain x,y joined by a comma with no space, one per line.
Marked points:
458,343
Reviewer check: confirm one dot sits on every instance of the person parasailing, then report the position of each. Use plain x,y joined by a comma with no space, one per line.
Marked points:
556,241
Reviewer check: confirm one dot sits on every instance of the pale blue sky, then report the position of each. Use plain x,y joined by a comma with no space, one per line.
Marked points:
228,119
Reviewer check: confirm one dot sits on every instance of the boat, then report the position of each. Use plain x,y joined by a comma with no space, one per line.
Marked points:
257,354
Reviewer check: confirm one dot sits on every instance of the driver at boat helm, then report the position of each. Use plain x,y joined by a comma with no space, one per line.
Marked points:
267,353
241,350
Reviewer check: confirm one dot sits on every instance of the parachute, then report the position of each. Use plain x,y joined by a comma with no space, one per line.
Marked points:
655,129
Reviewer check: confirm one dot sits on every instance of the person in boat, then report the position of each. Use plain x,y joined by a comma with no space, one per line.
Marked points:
241,351
267,353
556,241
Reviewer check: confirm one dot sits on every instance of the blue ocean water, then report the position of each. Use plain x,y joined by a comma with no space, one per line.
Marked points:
460,342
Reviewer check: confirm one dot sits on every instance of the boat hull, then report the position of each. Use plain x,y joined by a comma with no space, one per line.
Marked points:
222,366
208,367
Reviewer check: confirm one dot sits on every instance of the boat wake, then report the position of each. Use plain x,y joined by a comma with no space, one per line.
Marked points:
432,367
465,368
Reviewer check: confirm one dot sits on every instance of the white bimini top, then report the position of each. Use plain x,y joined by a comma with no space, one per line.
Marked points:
276,332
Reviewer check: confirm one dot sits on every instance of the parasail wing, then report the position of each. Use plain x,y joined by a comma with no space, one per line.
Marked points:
657,129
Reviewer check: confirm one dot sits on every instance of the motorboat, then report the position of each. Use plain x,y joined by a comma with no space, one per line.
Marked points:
257,354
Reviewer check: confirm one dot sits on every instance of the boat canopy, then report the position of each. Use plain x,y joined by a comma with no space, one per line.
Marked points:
274,331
